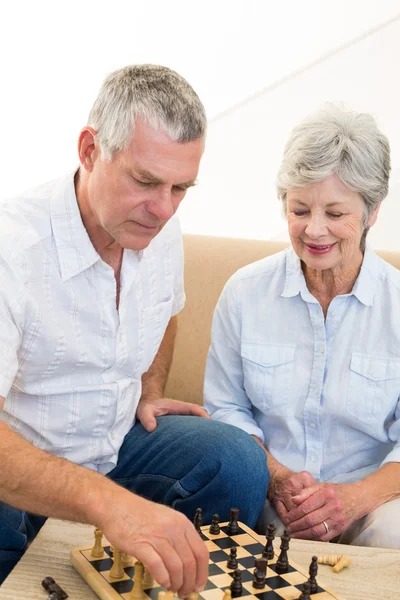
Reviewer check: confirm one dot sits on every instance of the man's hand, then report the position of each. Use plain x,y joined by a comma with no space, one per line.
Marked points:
147,411
336,504
286,484
164,540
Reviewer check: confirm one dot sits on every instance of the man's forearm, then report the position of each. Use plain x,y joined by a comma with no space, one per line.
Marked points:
379,487
275,468
154,381
35,481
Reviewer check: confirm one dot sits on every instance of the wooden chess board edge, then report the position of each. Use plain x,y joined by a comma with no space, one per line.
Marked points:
94,580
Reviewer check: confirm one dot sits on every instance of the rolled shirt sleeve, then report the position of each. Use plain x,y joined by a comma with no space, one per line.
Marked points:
224,395
12,300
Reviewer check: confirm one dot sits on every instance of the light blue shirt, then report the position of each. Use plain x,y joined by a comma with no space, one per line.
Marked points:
322,395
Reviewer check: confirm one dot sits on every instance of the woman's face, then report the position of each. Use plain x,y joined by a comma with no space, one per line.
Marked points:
326,224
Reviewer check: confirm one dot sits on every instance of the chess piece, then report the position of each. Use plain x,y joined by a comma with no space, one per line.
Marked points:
126,560
137,592
233,525
232,560
169,595
97,550
162,596
332,559
268,551
282,564
305,594
227,595
193,596
236,585
259,573
344,561
148,579
313,570
117,570
198,519
214,527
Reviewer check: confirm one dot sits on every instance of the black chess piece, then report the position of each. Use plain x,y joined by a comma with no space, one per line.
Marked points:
198,519
236,585
260,573
305,594
282,564
232,560
233,525
313,570
268,551
214,527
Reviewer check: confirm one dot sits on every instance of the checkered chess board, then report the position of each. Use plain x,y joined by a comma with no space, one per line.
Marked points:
96,571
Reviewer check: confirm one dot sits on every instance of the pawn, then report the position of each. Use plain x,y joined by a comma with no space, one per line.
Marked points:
305,594
148,579
193,596
137,590
313,570
236,585
97,550
117,571
214,527
233,525
162,595
259,573
232,560
227,594
198,519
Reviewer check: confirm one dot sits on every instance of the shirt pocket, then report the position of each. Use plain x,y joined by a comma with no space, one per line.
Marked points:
268,372
373,388
153,323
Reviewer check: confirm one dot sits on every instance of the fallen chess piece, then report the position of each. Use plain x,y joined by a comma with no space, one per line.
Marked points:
53,588
337,561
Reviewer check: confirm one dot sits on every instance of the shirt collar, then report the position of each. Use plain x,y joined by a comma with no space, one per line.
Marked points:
363,289
74,248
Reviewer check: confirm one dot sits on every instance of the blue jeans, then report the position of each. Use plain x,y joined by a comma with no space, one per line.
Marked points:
186,463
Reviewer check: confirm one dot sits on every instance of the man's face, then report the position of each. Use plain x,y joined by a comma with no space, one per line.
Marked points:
132,196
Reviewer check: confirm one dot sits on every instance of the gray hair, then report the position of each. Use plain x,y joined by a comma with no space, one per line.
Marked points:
153,93
336,140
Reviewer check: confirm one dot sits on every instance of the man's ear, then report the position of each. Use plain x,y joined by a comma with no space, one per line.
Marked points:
88,149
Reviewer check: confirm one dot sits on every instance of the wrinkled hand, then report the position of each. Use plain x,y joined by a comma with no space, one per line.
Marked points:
164,540
147,411
336,504
284,485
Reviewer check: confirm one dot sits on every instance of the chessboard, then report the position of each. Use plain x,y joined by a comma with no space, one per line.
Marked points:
287,586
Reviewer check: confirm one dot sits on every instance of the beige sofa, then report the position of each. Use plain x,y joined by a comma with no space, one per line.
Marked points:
209,262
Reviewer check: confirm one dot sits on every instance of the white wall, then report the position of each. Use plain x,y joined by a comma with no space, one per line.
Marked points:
237,193
54,55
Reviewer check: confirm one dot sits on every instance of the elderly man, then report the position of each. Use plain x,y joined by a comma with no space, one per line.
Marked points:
91,271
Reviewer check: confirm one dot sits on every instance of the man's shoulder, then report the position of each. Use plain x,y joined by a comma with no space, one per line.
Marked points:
25,220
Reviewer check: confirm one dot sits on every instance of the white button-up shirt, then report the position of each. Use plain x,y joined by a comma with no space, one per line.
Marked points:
322,395
70,362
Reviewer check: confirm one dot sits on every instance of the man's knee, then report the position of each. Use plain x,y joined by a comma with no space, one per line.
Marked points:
379,529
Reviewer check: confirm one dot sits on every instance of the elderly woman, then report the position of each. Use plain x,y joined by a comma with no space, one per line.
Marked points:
305,351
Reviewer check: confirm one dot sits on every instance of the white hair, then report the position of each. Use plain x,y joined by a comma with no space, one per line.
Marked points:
336,140
153,93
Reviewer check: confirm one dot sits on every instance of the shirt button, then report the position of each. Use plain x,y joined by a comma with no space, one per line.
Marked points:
334,314
312,425
322,349
315,390
314,458
112,435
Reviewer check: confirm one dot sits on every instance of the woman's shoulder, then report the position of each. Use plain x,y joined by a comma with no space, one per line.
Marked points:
264,267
